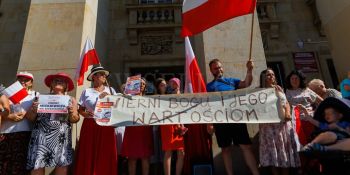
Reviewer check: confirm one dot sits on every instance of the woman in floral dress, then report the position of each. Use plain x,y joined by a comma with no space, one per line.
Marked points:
278,147
51,141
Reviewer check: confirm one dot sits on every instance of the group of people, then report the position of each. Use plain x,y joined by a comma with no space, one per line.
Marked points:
31,141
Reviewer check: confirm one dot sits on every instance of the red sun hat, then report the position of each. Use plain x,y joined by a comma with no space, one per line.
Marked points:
67,79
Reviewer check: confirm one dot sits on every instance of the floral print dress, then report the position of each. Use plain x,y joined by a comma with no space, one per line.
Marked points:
51,142
278,146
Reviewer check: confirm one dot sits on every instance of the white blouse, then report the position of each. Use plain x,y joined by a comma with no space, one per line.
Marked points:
89,97
9,126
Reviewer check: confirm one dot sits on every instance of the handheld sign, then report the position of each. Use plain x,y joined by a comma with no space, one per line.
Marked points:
133,85
57,104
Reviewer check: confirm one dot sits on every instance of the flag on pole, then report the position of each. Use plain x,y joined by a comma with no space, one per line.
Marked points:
88,57
197,140
16,92
194,80
200,15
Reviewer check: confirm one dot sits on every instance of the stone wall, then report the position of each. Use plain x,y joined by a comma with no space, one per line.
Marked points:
12,26
334,16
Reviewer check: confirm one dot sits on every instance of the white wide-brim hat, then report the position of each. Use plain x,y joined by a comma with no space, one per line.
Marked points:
95,70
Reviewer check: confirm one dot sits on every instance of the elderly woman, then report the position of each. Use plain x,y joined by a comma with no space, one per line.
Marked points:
16,129
97,152
51,140
138,143
319,87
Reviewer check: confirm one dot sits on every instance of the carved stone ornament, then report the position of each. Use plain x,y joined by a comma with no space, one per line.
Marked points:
156,45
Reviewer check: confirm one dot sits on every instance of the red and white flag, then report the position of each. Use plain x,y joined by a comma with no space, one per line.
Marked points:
194,80
88,57
16,92
200,15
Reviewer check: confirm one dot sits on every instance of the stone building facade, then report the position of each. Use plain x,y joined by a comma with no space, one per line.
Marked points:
143,36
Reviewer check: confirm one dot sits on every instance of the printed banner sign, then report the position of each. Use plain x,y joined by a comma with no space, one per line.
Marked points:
53,104
241,106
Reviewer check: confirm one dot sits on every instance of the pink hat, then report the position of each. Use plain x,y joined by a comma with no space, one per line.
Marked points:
26,75
175,80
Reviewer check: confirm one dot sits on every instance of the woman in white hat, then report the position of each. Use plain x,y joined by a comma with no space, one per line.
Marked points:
51,139
97,149
16,130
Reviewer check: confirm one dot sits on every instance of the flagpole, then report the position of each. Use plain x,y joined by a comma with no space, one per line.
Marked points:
251,33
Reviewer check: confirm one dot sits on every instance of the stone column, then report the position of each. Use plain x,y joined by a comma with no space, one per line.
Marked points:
229,42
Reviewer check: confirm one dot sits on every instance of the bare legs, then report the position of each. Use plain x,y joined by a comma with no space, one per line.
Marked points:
325,138
58,171
179,162
248,157
132,166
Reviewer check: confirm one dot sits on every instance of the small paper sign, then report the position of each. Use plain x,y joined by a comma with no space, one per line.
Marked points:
57,104
133,85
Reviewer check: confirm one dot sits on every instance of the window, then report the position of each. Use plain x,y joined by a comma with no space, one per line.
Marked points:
155,1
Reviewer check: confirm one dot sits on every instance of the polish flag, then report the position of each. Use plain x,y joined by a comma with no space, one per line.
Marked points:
197,140
200,15
194,80
16,92
88,57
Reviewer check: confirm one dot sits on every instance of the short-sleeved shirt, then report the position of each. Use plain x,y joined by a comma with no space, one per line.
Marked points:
8,126
223,84
90,96
345,93
342,124
333,93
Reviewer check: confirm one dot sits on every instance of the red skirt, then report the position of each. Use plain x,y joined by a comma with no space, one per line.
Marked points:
97,150
138,142
171,141
198,147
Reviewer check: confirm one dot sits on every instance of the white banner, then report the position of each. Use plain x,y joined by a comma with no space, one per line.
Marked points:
240,106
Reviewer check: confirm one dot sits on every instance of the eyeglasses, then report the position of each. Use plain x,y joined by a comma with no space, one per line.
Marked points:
58,81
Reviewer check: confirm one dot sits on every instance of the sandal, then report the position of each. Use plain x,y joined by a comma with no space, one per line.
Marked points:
307,148
318,147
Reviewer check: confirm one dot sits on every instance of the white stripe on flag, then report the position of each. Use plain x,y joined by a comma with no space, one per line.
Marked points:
191,4
13,89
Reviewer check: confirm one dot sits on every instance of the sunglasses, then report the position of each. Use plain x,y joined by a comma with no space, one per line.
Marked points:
59,81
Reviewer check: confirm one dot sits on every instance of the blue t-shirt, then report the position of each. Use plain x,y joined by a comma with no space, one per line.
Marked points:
342,124
223,84
344,93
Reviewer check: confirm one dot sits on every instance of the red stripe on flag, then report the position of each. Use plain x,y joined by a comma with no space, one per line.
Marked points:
197,80
89,58
18,96
212,13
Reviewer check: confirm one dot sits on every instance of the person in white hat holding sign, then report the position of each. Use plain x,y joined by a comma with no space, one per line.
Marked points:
16,130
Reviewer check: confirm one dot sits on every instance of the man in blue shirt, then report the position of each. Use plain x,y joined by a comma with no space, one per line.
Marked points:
345,87
228,133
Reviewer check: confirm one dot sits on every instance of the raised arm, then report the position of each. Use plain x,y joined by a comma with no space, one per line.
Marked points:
249,76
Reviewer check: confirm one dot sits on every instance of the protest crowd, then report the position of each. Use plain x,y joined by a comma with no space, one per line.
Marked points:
32,140
311,135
